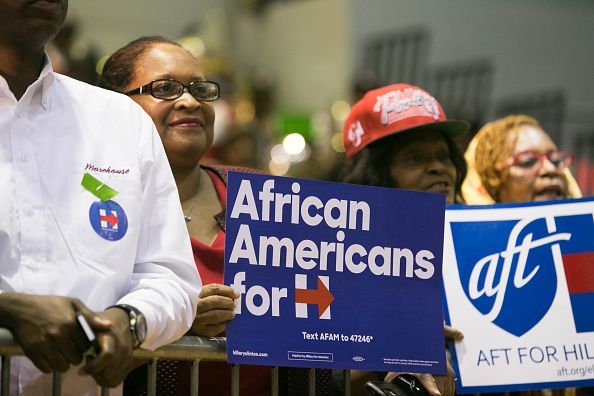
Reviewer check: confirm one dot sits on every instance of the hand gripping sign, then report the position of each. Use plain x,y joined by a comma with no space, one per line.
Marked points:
519,283
333,275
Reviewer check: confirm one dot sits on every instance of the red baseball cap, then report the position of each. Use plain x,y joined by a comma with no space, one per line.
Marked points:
393,109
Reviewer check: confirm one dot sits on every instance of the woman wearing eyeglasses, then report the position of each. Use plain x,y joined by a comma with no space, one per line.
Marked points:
513,160
169,84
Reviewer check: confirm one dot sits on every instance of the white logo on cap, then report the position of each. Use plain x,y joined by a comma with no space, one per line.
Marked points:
393,103
355,132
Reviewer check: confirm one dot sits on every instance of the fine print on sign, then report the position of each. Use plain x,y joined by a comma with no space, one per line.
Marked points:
519,283
333,275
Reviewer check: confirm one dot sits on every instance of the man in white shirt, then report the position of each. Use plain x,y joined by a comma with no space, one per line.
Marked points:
90,219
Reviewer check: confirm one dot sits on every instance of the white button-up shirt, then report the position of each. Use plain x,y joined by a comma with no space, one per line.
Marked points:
60,129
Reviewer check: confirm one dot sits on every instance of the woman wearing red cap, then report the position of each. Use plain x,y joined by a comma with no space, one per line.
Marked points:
399,136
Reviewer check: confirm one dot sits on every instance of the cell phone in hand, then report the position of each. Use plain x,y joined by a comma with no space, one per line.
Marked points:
403,385
93,343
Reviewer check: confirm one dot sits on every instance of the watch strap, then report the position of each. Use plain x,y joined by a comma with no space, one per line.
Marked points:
136,319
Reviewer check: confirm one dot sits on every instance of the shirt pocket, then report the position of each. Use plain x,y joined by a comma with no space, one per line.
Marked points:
106,233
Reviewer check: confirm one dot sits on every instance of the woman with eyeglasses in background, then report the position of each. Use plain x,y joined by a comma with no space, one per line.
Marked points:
169,84
512,159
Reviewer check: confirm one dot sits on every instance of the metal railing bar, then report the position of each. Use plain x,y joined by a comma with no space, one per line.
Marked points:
5,386
311,381
235,380
152,378
192,348
194,377
56,383
8,346
274,381
347,382
187,348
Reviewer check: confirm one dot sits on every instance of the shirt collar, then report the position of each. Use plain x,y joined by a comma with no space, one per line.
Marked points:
47,78
38,90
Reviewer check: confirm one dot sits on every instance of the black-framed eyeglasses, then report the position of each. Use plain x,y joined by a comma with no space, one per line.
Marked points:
169,89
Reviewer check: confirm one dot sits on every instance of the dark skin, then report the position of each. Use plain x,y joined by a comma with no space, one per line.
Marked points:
45,326
185,144
420,162
25,28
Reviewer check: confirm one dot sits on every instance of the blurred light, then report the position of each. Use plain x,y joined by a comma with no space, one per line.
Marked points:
278,169
100,64
279,155
294,143
244,111
340,110
79,50
337,143
194,44
301,156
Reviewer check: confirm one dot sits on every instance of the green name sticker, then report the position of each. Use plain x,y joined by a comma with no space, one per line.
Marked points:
98,188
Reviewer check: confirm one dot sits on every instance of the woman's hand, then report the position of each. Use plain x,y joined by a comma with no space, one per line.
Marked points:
436,385
216,305
452,334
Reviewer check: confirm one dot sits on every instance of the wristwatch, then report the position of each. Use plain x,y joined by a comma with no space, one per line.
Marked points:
137,323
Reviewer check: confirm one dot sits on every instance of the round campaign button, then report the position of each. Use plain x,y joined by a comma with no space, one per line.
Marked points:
108,220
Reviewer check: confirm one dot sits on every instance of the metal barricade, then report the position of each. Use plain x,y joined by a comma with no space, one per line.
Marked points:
189,348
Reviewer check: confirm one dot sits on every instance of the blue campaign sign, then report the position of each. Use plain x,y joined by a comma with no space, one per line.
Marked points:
334,275
519,283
